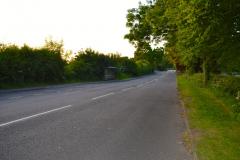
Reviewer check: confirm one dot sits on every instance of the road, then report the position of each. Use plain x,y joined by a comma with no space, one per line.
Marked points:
139,119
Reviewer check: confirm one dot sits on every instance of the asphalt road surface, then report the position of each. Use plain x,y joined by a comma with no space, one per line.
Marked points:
139,119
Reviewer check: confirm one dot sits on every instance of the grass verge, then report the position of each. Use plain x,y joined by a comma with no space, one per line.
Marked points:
216,131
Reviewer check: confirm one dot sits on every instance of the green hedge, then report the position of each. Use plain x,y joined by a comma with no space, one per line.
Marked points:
21,66
144,67
229,84
90,65
28,65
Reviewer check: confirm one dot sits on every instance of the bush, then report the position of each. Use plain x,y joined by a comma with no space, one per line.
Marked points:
21,66
122,76
143,67
229,84
28,65
90,65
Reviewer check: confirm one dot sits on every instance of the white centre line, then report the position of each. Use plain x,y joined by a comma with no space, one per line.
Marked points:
68,93
34,116
126,89
37,94
146,83
17,97
140,85
112,93
151,81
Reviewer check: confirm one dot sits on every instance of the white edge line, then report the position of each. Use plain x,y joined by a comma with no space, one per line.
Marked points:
33,116
112,93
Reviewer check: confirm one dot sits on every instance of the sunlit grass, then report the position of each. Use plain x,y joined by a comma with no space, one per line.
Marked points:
215,130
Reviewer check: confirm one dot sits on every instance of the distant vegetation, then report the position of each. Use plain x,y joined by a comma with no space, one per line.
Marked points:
27,66
90,65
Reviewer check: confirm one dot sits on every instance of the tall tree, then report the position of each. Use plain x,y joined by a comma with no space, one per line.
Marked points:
199,34
141,34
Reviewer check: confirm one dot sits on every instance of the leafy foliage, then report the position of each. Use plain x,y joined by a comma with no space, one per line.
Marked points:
143,67
199,35
90,65
229,84
141,36
26,65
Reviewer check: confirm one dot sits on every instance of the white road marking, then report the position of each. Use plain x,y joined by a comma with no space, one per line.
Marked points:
112,93
154,80
72,92
140,85
50,90
126,89
37,94
34,116
17,97
146,83
68,93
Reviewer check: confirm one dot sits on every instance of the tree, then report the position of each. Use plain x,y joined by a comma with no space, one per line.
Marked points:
141,34
139,30
199,35
54,46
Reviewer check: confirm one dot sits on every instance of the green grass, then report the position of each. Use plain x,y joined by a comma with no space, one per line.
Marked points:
216,131
123,76
22,85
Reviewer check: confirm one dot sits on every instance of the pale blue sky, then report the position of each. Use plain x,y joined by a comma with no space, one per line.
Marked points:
98,24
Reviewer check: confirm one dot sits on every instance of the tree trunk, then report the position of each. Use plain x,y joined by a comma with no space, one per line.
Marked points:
206,74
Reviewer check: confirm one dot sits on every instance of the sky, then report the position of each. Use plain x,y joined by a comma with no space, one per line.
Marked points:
96,24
